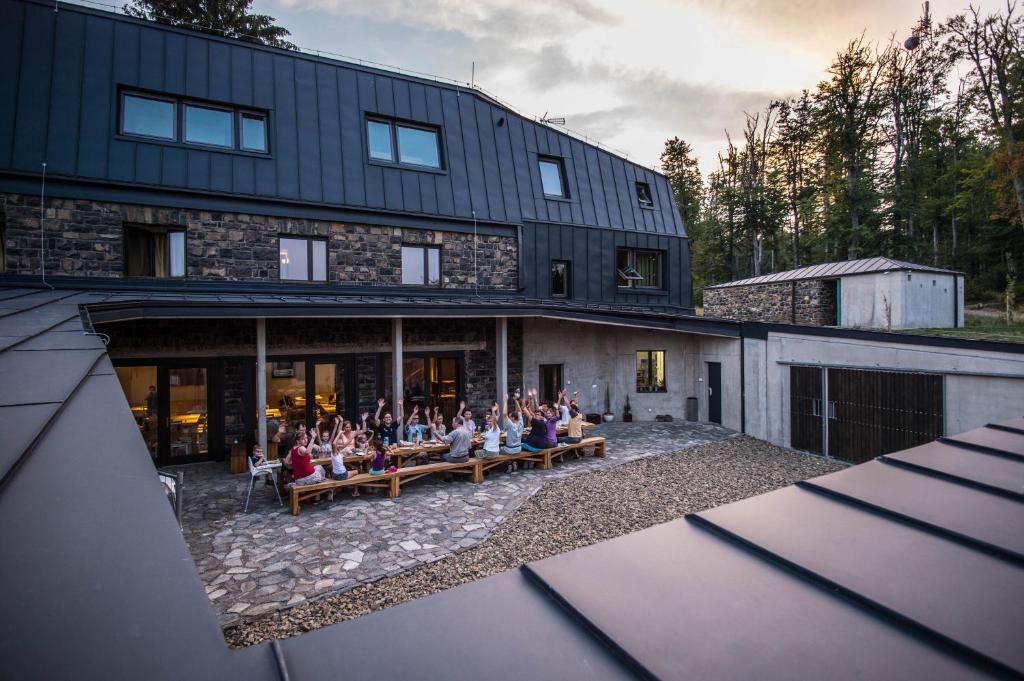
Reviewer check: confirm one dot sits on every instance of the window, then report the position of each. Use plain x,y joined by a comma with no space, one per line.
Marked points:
552,175
638,269
415,145
650,371
147,117
253,131
379,136
561,278
208,126
421,266
643,195
154,251
303,259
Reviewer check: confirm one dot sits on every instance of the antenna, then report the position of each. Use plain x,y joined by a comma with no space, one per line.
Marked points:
552,120
923,28
472,75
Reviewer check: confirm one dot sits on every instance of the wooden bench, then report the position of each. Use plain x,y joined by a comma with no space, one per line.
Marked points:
545,457
392,482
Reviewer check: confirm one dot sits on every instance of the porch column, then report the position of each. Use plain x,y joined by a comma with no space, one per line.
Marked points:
261,382
501,358
397,382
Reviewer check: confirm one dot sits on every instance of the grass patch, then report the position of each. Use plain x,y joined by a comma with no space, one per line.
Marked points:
981,327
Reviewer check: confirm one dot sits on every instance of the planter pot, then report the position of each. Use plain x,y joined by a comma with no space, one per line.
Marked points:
608,418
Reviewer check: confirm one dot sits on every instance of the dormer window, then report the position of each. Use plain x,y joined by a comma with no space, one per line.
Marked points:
552,177
644,196
407,144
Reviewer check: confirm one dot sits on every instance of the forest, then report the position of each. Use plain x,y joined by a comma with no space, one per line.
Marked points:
912,149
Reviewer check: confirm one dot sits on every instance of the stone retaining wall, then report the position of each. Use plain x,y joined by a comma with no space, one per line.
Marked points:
811,302
85,238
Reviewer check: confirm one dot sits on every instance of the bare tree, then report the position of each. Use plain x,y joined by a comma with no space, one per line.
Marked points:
993,46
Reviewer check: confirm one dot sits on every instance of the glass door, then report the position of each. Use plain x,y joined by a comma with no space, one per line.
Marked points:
444,385
140,389
171,409
188,414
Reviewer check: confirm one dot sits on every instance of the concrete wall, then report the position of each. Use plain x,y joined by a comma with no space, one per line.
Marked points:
595,357
980,386
900,300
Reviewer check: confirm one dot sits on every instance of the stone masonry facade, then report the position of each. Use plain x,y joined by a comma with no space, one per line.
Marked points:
85,238
810,303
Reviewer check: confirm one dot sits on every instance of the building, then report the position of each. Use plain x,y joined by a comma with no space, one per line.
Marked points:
331,230
871,293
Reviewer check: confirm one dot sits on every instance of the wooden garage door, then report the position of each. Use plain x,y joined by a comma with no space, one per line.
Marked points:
871,413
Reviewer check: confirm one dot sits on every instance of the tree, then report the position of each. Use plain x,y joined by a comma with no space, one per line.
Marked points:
848,107
680,166
230,18
792,158
993,47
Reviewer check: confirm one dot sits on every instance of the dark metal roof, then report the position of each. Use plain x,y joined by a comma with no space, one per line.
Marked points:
834,270
909,566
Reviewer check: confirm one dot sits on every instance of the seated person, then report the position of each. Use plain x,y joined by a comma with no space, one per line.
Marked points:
380,459
542,426
575,421
302,463
257,456
492,435
338,470
563,409
458,441
513,427
436,426
389,429
414,430
467,418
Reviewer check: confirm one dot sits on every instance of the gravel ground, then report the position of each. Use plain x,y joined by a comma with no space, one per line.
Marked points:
565,515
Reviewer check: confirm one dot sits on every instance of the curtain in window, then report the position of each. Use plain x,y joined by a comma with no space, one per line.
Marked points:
160,255
649,267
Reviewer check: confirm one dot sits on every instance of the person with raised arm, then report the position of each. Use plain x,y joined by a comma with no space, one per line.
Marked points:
492,435
513,426
541,422
414,430
389,429
467,418
575,425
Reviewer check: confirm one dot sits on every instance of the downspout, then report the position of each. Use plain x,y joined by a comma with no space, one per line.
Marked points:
743,386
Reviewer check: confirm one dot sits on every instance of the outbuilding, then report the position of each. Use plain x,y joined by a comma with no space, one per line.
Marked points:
872,293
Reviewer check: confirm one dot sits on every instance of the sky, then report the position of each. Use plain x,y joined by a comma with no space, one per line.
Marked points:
629,73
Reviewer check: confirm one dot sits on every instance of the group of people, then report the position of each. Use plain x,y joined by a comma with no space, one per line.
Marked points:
338,439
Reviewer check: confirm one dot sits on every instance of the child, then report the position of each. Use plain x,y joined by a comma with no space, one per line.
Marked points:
379,460
338,470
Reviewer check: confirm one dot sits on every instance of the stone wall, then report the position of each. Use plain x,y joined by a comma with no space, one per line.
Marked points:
84,238
811,302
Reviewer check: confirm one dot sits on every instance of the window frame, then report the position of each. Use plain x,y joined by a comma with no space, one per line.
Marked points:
180,105
393,125
650,371
240,115
567,278
558,162
232,118
166,230
632,283
309,258
426,248
175,127
649,205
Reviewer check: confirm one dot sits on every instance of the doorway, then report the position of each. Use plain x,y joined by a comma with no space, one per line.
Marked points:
715,392
172,404
550,382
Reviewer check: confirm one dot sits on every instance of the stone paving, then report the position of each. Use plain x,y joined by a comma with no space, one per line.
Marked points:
267,559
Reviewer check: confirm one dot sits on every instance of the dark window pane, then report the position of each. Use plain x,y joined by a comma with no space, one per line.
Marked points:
560,278
153,252
149,117
643,194
551,178
621,264
208,126
319,260
294,259
418,147
412,266
434,267
378,137
254,132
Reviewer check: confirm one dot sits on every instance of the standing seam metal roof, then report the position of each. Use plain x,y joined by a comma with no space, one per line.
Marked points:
831,270
909,566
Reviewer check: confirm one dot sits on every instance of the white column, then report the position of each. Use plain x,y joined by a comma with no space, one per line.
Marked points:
397,382
261,382
501,359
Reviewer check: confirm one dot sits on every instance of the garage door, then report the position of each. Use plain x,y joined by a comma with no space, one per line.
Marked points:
866,413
